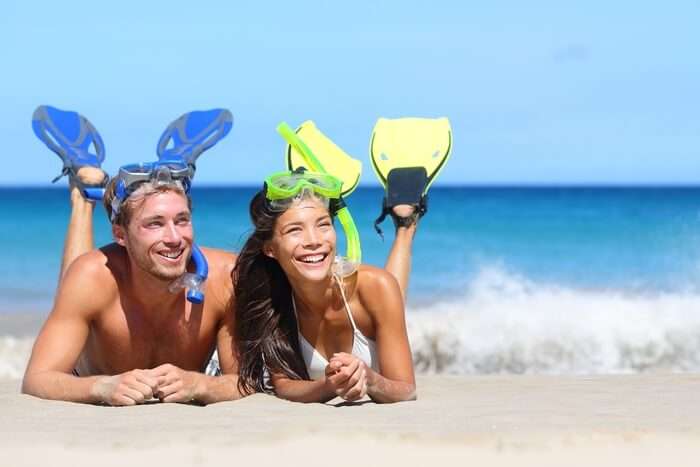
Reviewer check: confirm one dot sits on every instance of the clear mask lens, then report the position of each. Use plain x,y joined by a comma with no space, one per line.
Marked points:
305,194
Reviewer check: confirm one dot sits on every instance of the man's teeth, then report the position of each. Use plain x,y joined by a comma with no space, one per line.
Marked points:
171,254
312,258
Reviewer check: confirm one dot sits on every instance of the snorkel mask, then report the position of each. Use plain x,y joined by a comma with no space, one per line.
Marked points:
282,189
132,176
320,182
176,174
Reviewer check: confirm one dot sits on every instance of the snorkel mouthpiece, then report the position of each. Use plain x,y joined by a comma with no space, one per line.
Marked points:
193,282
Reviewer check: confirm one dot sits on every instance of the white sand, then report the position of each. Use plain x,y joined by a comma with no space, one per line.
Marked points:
513,420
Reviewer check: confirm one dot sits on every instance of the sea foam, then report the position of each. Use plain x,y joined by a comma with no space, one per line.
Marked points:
504,323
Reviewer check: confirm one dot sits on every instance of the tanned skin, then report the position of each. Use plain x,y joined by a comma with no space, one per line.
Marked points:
116,323
376,301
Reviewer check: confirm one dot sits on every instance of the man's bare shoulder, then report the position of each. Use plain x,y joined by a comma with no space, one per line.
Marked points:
221,262
96,265
221,265
92,280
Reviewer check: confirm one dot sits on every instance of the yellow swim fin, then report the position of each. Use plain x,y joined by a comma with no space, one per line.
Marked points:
407,154
334,160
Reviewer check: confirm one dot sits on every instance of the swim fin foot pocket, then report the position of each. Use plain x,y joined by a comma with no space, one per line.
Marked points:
405,185
75,140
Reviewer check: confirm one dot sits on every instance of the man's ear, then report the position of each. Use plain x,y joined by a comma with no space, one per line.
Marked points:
119,234
268,251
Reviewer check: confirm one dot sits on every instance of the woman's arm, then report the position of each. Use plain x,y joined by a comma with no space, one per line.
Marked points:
303,391
381,296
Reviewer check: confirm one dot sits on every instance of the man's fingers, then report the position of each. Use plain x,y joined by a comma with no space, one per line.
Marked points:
165,391
122,400
147,379
133,394
144,389
179,396
166,380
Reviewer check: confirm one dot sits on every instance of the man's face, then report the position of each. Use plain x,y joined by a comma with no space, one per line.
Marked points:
159,235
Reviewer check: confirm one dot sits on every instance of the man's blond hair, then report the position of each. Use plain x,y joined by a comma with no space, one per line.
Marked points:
146,189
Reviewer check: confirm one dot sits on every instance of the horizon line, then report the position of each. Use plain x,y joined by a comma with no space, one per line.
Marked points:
562,184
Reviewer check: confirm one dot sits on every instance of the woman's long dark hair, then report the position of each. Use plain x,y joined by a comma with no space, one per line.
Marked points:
265,330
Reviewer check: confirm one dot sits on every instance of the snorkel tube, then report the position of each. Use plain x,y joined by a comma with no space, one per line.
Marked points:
192,134
353,253
161,173
193,282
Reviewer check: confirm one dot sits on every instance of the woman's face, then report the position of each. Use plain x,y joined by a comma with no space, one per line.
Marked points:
303,241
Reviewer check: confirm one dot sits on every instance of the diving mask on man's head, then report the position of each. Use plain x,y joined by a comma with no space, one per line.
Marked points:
283,189
132,176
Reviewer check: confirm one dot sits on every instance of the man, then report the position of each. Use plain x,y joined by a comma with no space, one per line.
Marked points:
117,334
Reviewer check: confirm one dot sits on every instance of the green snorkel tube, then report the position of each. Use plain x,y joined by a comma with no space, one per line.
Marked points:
353,255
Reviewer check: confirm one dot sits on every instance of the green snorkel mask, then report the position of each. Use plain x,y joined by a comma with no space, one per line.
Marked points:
343,266
282,189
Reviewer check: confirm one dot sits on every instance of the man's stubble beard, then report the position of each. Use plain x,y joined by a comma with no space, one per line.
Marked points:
156,270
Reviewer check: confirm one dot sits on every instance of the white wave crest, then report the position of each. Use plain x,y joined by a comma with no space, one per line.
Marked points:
14,354
508,324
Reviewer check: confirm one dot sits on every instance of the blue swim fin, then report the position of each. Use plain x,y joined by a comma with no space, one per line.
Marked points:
71,136
189,136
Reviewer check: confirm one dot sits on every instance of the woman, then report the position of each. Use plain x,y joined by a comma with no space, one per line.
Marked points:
316,334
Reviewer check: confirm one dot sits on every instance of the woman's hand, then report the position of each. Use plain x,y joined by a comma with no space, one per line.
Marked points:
346,375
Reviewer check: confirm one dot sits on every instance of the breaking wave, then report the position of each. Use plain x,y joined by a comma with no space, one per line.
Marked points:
504,324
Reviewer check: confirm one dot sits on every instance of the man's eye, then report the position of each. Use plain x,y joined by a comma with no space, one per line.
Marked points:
154,225
183,221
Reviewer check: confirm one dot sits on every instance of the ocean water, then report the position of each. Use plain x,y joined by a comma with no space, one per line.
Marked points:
504,280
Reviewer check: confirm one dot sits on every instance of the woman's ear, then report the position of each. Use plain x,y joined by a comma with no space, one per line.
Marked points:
119,234
268,250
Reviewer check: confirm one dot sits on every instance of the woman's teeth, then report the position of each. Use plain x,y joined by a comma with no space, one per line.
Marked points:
312,258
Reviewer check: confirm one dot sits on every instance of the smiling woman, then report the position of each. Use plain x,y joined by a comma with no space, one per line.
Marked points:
302,330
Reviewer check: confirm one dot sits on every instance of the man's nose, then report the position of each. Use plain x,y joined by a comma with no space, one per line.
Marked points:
172,234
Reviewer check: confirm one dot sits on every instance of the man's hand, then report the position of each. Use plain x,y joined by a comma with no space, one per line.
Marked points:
347,376
130,388
176,384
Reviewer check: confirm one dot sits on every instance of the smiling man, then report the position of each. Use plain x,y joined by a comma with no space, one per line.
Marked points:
118,334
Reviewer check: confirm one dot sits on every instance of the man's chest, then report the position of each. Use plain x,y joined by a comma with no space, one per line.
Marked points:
122,340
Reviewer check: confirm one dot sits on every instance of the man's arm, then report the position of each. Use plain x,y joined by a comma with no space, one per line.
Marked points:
62,338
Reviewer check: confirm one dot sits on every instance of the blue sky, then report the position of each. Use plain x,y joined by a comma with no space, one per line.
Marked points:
536,92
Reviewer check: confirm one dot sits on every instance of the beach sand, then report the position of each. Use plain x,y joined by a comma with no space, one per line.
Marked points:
649,419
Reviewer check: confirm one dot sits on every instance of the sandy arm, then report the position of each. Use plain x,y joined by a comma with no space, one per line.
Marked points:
381,296
63,336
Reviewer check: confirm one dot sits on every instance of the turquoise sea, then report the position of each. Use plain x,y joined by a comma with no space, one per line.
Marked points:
505,279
